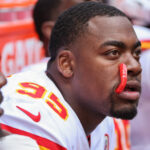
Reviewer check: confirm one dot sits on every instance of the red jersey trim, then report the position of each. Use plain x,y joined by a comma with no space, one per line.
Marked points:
40,140
118,133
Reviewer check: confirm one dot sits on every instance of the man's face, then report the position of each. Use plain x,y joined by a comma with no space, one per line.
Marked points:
108,42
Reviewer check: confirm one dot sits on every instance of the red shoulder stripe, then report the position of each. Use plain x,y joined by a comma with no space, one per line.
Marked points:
40,140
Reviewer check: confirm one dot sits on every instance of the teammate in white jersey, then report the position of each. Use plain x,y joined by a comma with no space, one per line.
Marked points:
87,46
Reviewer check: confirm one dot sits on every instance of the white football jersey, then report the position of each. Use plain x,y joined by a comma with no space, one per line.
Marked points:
35,107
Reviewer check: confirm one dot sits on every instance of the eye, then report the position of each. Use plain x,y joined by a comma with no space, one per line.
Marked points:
112,53
137,53
115,52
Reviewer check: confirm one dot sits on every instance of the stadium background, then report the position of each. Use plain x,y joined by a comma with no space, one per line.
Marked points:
19,44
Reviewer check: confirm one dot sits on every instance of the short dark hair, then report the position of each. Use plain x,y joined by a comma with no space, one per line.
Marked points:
74,21
45,10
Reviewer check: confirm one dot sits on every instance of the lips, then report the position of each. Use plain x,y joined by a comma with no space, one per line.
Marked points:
132,90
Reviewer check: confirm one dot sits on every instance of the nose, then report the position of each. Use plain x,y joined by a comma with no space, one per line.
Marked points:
133,66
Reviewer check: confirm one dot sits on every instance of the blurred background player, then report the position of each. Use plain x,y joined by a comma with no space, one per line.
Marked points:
45,14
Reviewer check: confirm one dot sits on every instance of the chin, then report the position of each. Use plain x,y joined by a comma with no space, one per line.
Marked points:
126,114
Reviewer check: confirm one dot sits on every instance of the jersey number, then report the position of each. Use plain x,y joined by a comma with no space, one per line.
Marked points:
38,92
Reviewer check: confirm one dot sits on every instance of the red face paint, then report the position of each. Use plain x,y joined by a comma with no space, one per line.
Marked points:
123,77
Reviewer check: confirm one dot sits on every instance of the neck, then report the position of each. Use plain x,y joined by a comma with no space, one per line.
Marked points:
89,119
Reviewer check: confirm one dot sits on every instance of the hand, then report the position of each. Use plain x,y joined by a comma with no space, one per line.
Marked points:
3,81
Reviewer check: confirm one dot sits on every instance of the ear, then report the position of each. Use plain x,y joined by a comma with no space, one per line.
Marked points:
65,63
46,28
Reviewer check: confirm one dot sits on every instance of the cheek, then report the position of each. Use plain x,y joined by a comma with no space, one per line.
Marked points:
97,81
